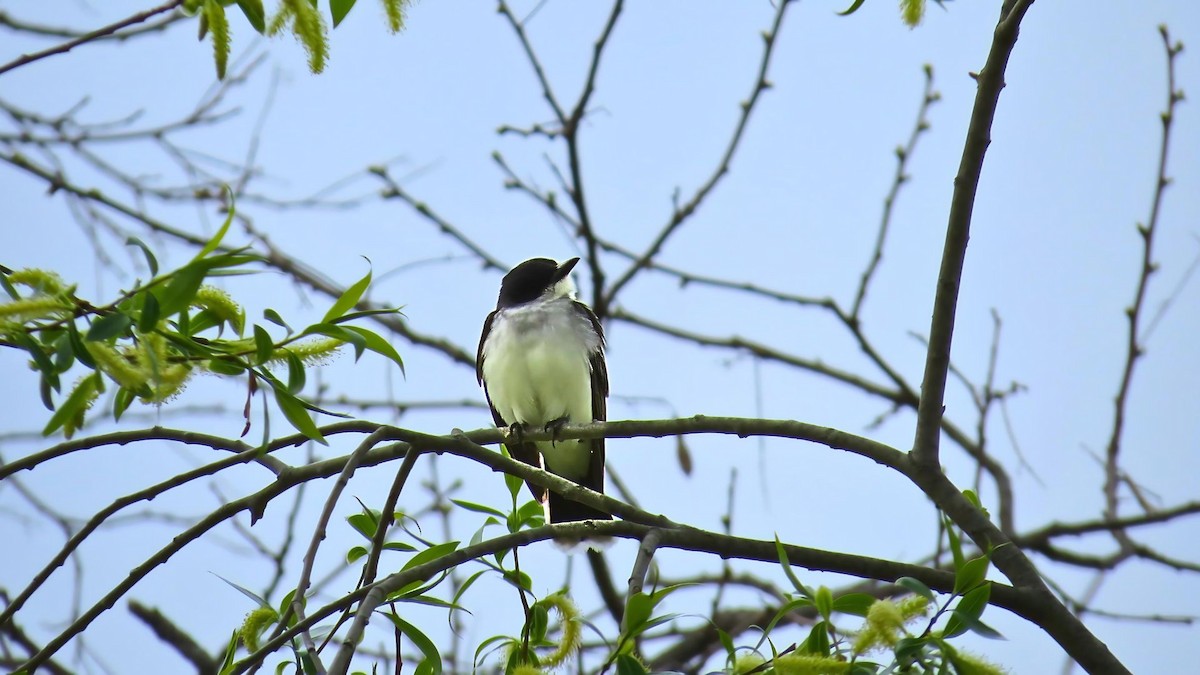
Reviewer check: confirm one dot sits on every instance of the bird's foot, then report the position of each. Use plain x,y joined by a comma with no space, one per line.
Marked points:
516,432
555,428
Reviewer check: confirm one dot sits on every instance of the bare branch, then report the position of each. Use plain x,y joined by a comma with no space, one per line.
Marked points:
684,211
903,153
89,37
1134,312
941,331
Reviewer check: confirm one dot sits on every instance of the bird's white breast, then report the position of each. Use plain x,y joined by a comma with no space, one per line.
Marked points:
536,367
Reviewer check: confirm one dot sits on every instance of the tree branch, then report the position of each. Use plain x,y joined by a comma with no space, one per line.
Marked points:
958,229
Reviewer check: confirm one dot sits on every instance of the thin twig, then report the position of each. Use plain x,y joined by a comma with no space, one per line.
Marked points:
65,47
903,153
1134,349
683,211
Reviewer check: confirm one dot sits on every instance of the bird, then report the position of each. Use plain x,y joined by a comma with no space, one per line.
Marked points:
541,364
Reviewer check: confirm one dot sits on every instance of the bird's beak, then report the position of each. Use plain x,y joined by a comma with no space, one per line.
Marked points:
564,269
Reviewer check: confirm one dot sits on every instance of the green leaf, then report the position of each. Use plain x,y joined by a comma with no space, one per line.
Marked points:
69,415
787,569
627,664
430,554
916,586
339,333
244,591
786,609
77,347
478,508
398,546
817,641
338,9
853,8
121,401
6,285
513,483
465,585
230,653
348,299
854,603
637,612
148,319
727,644
430,601
264,346
226,365
967,612
365,522
432,657
109,326
151,261
378,345
64,352
971,574
909,647
539,621
273,316
355,553
366,312
216,238
824,602
296,377
955,543
297,414
179,292
37,351
253,9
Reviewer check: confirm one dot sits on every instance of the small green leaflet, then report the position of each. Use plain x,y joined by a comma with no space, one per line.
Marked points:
338,9
297,414
109,326
253,9
348,299
151,261
216,238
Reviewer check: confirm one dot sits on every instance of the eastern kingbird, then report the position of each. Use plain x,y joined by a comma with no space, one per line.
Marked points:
541,364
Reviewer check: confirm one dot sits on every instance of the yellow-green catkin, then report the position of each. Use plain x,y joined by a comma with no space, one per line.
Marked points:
526,669
810,664
87,389
886,620
221,305
572,628
394,10
42,282
32,309
310,352
218,26
912,11
966,663
122,367
46,301
309,28
167,378
746,662
256,622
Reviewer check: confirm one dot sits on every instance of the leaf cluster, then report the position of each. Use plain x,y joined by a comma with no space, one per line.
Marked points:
302,18
150,340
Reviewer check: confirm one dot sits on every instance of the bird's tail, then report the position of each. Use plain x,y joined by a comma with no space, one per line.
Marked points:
563,510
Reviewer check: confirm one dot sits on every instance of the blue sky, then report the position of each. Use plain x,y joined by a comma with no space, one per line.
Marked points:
1053,251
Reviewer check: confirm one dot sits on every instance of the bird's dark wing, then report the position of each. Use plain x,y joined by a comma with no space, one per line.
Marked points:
564,510
525,452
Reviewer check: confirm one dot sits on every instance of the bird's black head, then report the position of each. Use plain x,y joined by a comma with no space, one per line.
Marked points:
531,279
